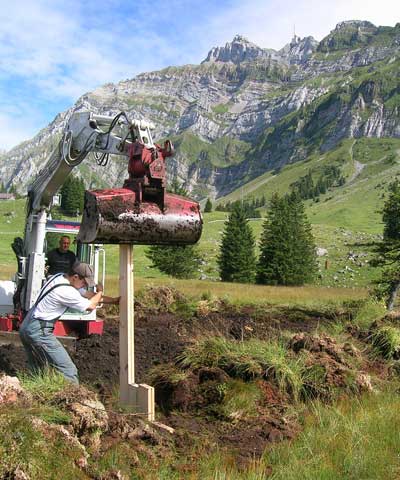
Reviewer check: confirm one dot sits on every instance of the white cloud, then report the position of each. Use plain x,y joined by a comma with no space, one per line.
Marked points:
13,132
270,23
53,51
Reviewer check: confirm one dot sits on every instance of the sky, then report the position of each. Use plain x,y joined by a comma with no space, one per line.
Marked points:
53,51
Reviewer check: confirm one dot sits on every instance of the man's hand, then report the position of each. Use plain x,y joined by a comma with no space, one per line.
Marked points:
111,300
99,287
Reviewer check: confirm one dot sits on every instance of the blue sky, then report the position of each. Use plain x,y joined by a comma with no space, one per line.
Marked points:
52,52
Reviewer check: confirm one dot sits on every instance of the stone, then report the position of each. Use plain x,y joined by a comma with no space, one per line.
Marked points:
10,389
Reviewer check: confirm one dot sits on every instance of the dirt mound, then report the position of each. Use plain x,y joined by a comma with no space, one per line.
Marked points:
195,402
158,299
330,366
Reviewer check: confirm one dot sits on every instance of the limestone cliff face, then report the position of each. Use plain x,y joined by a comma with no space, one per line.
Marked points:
244,110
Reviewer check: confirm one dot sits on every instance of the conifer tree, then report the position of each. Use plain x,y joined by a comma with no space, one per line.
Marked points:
179,261
388,251
72,195
287,245
391,213
237,259
208,206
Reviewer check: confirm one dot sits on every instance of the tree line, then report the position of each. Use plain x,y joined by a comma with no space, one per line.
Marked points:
306,188
250,206
387,252
287,248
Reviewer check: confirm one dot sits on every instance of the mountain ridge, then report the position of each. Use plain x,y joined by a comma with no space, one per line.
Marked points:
245,110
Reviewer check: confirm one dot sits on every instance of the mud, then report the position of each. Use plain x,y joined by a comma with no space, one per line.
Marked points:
165,324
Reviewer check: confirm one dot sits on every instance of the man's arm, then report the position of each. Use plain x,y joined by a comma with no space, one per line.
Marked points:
94,300
103,299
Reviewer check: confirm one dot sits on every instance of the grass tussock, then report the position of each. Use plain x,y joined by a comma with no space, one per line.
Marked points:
166,374
248,360
386,340
240,399
371,311
357,438
43,385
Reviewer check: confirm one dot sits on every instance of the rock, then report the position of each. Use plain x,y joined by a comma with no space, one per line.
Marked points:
363,381
238,92
10,390
321,251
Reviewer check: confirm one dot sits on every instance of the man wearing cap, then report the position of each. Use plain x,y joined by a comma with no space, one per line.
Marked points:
60,292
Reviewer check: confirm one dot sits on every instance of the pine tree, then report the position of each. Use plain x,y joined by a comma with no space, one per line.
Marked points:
237,260
72,195
388,251
177,261
287,246
208,206
391,213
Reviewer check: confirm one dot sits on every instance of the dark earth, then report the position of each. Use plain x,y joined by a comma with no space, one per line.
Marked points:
164,325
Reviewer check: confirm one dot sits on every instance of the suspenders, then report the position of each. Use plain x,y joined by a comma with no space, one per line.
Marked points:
43,293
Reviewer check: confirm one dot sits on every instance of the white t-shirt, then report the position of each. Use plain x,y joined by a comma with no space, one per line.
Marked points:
54,304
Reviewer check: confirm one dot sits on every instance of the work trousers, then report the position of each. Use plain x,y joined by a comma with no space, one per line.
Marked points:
43,349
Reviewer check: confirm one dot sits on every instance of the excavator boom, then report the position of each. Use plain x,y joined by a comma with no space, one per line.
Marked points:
142,212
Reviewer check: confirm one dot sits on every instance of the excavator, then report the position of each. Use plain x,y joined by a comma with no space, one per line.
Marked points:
140,212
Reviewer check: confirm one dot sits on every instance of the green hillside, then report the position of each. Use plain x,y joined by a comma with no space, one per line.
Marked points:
346,219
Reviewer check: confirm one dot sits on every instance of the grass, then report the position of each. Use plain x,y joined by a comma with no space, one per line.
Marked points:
238,293
248,360
44,385
240,399
355,439
371,311
386,340
339,223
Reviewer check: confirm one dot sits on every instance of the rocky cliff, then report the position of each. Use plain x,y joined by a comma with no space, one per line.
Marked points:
245,109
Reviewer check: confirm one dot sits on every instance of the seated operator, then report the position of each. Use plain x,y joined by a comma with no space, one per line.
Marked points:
61,259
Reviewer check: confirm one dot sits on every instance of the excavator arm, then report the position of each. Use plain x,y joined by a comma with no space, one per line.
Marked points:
86,133
141,212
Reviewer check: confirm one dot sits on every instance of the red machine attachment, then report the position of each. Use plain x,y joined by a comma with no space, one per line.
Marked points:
141,212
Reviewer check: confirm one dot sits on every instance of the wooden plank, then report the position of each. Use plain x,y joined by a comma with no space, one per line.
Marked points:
126,326
139,396
145,401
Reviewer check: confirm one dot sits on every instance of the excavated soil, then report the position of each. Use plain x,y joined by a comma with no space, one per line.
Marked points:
160,336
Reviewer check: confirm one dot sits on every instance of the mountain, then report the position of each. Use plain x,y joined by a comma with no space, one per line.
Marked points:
245,110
